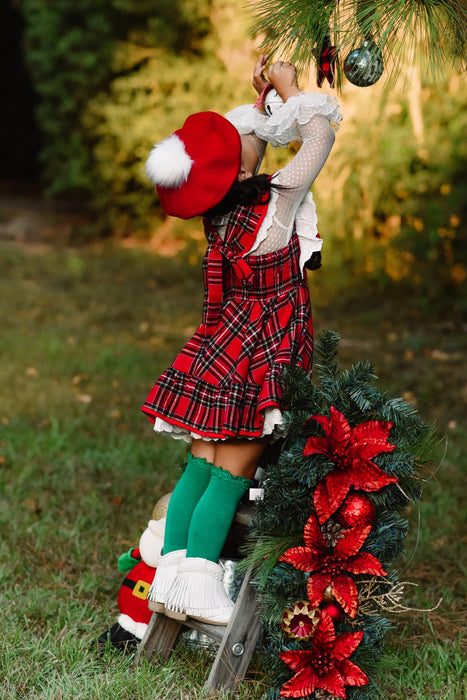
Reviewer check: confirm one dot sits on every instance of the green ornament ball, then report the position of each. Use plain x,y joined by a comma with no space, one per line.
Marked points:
364,66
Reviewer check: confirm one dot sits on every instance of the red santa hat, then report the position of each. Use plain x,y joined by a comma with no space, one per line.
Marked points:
194,168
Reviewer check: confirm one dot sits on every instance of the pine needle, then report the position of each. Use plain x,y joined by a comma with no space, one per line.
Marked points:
430,34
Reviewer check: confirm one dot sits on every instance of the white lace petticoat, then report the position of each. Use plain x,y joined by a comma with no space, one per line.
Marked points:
273,426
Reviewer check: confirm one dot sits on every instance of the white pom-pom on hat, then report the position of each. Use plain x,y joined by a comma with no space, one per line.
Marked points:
195,167
169,164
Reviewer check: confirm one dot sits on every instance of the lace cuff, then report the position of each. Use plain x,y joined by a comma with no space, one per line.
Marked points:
246,119
283,126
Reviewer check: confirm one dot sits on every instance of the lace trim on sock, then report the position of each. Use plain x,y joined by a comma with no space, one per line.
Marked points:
200,463
225,475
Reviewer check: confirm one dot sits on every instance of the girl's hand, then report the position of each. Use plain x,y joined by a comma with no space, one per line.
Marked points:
259,81
283,77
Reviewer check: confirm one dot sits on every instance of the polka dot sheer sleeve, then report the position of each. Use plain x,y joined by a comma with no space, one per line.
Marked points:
307,118
294,180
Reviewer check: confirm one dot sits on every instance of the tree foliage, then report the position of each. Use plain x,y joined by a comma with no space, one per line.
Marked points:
114,77
110,76
397,211
302,29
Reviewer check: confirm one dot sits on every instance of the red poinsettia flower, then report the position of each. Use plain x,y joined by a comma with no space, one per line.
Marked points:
326,665
350,450
333,569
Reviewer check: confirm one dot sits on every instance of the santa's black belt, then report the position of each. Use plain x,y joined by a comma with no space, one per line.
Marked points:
129,583
142,587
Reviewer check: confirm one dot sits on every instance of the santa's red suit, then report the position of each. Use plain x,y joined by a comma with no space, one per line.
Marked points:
132,597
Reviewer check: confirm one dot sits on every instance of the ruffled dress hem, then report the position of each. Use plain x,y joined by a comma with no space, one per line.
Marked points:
236,411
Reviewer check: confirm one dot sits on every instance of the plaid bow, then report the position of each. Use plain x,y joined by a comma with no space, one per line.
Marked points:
213,280
244,223
326,64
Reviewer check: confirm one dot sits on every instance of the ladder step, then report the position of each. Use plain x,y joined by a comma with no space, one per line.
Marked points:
215,632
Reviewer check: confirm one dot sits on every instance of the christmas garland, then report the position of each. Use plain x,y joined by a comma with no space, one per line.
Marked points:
329,527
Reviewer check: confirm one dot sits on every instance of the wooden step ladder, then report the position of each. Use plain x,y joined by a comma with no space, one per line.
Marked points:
237,641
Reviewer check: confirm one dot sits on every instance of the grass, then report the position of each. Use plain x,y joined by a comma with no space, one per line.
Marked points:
434,670
85,332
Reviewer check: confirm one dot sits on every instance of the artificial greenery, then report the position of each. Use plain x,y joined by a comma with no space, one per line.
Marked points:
290,490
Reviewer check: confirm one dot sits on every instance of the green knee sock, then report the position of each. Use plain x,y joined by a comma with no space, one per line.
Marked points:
185,496
214,514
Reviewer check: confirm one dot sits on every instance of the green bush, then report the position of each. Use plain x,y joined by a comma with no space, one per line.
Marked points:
396,212
105,73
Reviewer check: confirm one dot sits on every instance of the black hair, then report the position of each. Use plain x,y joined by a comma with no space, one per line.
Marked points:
247,192
254,190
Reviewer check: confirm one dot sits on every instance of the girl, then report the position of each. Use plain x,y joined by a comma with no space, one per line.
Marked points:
222,393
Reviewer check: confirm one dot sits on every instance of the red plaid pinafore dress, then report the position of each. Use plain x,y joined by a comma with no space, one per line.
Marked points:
256,320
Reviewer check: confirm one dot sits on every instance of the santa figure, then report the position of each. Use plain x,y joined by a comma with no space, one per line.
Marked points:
139,564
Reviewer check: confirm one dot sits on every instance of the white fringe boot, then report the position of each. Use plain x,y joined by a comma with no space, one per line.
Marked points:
164,578
199,592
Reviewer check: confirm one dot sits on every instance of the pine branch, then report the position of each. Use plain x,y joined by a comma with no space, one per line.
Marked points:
299,396
263,554
386,539
284,587
326,351
405,31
